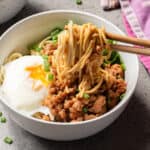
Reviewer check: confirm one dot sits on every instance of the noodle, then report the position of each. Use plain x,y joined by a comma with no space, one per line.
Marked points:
44,42
1,74
8,59
12,57
77,55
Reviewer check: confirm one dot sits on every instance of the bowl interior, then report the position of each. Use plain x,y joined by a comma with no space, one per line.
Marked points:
36,27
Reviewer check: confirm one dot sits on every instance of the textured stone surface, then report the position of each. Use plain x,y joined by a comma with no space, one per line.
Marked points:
130,131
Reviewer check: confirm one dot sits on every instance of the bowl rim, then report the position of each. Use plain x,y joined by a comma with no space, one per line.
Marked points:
113,110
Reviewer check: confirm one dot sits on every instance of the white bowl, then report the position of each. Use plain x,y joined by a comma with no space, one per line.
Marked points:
9,8
35,28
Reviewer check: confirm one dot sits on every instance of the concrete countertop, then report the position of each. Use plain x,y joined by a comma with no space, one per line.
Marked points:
131,131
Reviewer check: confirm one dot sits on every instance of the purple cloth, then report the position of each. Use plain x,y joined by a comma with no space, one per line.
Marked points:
142,11
136,18
137,22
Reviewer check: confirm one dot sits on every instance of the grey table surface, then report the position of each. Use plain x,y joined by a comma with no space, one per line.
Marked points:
131,131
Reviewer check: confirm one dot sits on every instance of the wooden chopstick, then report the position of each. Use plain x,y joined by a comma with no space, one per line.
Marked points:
130,49
127,39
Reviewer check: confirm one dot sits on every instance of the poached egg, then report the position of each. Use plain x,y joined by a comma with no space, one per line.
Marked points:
25,82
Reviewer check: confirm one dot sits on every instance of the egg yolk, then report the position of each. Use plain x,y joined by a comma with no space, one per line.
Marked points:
37,73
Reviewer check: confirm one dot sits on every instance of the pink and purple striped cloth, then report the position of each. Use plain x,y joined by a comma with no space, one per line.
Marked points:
136,19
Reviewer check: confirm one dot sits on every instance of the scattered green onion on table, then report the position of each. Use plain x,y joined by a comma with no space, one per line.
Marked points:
8,140
78,2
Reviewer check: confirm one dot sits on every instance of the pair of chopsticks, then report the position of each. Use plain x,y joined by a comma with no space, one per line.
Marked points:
145,49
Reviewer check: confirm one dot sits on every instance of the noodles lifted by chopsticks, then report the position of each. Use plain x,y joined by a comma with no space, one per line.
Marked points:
79,56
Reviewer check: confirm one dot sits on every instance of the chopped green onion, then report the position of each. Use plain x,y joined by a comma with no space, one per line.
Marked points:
35,47
1,114
55,31
111,41
8,140
123,66
86,96
46,66
3,120
55,37
50,77
114,57
78,2
105,52
104,65
46,63
45,57
54,34
122,96
113,54
38,49
31,47
54,41
106,62
85,109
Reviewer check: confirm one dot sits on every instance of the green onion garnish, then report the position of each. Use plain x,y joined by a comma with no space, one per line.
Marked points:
35,47
122,96
85,109
46,63
78,2
105,52
45,57
54,41
86,96
8,140
106,61
123,66
54,34
38,49
46,66
55,37
3,120
55,31
114,58
1,114
50,77
111,41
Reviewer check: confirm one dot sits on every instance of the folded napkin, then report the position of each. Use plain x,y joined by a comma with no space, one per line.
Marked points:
136,18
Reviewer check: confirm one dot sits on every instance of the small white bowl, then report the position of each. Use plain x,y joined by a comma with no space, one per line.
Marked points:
9,8
35,28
